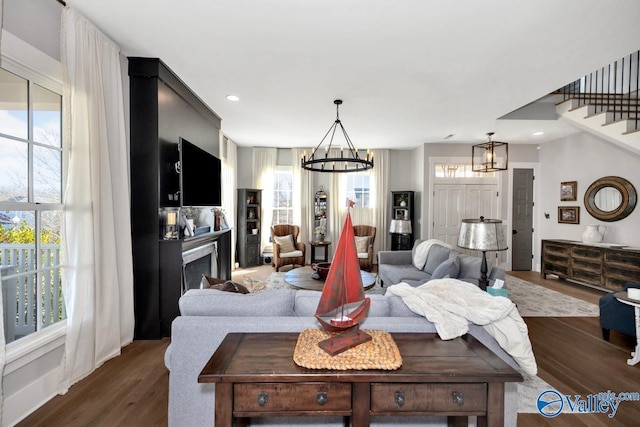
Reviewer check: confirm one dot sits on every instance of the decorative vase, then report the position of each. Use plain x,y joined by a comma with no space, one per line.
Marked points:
403,203
319,237
593,233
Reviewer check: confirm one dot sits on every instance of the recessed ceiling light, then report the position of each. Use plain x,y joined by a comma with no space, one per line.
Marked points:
538,133
233,98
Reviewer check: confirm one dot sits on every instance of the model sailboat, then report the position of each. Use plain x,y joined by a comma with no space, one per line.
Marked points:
342,305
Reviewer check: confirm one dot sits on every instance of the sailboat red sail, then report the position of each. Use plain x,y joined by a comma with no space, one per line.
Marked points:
342,305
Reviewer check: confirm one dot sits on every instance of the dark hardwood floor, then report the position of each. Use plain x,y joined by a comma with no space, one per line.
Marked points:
132,389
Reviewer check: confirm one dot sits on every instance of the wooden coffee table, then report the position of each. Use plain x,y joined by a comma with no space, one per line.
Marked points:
255,376
301,278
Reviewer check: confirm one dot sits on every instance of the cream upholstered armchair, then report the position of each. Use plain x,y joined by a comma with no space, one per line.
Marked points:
365,236
286,248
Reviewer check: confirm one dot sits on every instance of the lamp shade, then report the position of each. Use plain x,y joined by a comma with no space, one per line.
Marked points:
482,235
400,226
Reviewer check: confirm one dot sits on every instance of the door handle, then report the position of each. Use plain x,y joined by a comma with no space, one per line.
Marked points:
514,231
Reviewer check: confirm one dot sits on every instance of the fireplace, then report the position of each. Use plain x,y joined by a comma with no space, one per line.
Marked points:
196,262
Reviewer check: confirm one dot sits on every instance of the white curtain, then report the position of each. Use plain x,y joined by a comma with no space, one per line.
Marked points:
377,214
98,289
303,198
2,337
229,154
264,167
381,199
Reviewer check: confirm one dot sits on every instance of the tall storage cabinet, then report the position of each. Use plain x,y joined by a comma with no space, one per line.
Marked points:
163,109
249,229
402,209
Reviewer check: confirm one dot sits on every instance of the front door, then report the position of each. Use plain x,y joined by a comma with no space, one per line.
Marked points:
455,202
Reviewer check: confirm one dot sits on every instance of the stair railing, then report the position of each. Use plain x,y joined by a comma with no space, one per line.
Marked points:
612,88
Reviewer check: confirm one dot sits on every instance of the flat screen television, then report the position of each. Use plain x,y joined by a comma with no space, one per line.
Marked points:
200,176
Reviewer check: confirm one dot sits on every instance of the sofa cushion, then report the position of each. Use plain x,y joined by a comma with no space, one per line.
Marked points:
470,268
449,268
211,302
437,255
395,274
306,303
398,308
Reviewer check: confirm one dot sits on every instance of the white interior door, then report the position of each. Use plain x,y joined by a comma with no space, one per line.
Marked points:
448,208
455,202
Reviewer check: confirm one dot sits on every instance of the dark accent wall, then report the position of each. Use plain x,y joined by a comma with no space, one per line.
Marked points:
163,109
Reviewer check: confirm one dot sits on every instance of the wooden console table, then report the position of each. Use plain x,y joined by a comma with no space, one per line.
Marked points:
255,376
595,265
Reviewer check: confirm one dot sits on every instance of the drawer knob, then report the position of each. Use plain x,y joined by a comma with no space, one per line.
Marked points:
458,398
263,398
399,398
321,397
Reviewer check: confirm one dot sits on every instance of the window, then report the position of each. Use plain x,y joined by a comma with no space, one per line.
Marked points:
450,170
31,175
282,197
358,189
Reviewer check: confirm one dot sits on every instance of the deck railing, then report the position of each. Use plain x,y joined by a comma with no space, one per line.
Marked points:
31,294
612,88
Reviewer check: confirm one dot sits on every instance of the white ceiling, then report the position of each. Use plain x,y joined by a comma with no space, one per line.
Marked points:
409,71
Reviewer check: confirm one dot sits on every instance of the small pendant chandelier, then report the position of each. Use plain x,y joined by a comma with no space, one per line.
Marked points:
490,156
348,161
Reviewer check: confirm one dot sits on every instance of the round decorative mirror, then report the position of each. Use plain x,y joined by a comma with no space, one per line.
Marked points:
611,198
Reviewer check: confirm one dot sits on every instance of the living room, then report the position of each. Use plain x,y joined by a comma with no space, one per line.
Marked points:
579,156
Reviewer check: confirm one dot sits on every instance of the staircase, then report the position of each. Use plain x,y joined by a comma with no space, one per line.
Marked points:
606,102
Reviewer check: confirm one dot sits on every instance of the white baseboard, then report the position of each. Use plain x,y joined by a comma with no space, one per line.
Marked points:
25,401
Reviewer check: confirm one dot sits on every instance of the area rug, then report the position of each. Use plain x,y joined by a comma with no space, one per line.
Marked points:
537,301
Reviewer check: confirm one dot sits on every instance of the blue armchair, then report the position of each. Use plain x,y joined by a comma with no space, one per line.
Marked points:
616,315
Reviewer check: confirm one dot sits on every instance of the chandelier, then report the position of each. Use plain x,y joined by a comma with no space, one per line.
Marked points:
490,156
348,161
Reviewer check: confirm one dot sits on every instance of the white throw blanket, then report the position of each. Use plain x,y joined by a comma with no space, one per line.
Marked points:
422,251
451,304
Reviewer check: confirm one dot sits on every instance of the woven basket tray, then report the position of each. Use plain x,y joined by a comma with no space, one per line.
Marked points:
379,353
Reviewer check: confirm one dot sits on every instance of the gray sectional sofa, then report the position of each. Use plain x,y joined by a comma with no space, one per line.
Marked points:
207,315
398,266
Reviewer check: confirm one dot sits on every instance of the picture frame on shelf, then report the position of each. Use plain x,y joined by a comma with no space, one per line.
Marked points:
568,191
401,214
569,214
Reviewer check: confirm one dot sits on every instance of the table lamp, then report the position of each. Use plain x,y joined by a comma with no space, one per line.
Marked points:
400,226
482,235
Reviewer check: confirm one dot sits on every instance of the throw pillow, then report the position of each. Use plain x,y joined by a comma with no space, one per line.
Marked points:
208,281
230,286
285,242
362,243
449,268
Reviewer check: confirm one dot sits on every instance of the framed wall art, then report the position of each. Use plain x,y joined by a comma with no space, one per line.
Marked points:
568,191
569,214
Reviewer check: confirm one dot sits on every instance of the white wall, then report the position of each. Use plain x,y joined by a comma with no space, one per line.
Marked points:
584,158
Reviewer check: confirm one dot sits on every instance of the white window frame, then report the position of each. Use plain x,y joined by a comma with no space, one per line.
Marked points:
369,192
28,62
281,170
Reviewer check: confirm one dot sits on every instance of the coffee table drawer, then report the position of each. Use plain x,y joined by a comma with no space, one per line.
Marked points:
445,397
276,397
